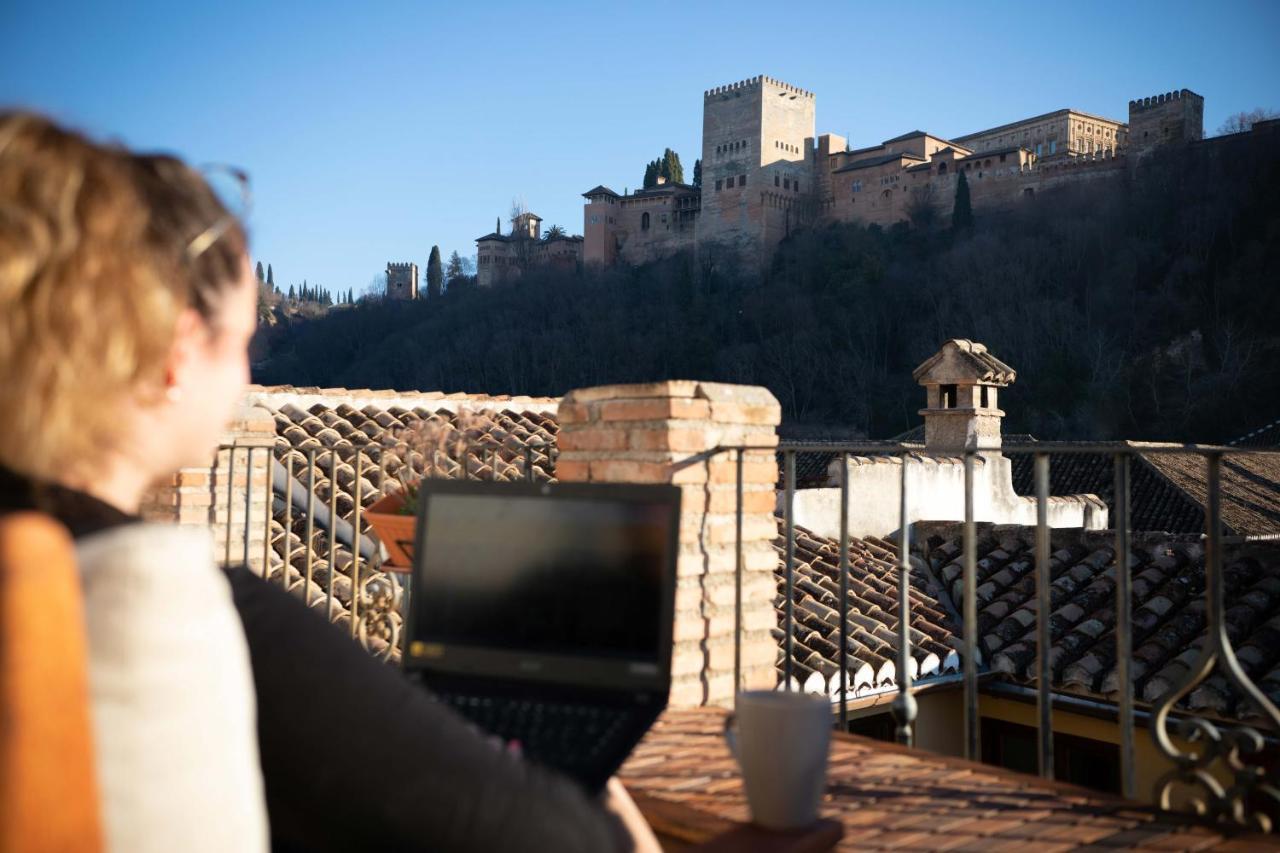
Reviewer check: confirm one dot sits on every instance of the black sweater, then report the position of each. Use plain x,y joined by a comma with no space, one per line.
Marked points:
354,755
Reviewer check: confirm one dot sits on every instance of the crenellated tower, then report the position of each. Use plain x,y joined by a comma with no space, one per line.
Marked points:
1167,119
402,281
757,165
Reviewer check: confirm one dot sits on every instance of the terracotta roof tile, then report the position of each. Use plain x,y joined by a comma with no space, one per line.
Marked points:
1168,616
339,433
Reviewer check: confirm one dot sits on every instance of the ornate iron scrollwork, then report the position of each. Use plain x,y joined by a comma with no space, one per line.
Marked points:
378,628
1236,803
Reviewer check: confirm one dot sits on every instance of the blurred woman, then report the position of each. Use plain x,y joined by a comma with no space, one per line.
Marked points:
122,352
126,307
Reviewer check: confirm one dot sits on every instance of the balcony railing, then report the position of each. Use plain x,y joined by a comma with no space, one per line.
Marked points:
374,595
1215,742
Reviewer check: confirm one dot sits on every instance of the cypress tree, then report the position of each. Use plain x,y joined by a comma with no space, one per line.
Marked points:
291,296
271,279
259,272
435,274
962,213
671,168
697,172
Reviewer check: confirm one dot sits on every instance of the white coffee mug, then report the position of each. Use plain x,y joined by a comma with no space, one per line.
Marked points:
780,741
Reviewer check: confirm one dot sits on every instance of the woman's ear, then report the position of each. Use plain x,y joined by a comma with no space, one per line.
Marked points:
189,336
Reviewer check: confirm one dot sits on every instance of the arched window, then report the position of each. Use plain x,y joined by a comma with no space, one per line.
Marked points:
644,221
942,168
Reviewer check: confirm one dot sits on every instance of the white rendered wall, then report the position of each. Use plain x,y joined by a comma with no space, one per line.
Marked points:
935,492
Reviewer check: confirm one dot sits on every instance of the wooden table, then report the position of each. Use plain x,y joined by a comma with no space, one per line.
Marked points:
682,828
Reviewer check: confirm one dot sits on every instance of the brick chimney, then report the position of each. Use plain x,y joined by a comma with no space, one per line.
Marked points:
649,434
961,383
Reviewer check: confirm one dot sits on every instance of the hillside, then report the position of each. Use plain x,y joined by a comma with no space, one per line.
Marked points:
1146,308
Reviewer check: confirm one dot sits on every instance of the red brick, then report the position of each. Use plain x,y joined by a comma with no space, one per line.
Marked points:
657,409
573,471
573,413
669,388
685,440
746,413
592,439
628,471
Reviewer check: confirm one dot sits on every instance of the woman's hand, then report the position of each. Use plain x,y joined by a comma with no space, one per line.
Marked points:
619,802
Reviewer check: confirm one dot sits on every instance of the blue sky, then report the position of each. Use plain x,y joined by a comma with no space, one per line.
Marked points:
372,135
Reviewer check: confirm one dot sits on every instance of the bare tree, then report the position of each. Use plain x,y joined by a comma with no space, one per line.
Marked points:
1244,122
922,208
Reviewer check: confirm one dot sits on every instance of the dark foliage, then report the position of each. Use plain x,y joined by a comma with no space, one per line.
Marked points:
667,166
435,274
1144,307
962,212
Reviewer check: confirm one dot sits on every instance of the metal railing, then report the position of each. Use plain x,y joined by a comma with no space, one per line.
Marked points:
377,598
363,593
1208,741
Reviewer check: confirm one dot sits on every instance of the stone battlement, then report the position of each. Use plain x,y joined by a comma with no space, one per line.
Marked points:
1157,100
754,83
395,266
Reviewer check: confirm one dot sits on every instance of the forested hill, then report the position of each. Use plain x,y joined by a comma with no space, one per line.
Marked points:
1145,309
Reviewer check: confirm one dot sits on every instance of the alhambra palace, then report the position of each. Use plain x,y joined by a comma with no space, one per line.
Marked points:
766,171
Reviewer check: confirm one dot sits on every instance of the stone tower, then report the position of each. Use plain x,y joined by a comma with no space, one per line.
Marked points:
599,226
757,165
1167,119
402,281
961,381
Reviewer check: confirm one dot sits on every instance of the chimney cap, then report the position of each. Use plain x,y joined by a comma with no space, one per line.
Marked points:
963,362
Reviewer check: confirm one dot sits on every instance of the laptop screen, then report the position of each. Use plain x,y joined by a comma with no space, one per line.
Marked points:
544,571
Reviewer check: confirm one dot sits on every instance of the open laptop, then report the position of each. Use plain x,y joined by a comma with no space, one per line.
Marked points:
543,613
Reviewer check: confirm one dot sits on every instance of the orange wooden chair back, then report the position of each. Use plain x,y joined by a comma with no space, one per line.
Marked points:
48,790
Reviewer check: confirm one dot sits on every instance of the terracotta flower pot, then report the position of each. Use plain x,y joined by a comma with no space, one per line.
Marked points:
395,530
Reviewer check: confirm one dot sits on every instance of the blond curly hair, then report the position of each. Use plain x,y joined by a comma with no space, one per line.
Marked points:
94,273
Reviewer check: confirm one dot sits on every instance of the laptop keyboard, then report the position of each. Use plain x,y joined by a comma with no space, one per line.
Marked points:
564,735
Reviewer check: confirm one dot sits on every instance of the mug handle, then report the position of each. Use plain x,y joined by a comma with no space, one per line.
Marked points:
730,735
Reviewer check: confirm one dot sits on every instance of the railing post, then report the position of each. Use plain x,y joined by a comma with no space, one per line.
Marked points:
737,578
904,704
788,570
972,727
1044,598
1124,627
844,591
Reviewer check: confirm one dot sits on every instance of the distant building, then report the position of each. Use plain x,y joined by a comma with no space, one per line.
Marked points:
402,281
500,256
765,171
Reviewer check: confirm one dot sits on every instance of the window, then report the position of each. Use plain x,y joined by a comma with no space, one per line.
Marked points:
786,183
1039,148
1002,156
664,217
857,186
644,221
718,186
742,180
948,396
1053,146
1078,760
797,185
595,220
777,181
985,404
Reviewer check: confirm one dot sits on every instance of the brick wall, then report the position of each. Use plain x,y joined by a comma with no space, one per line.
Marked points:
648,434
215,496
